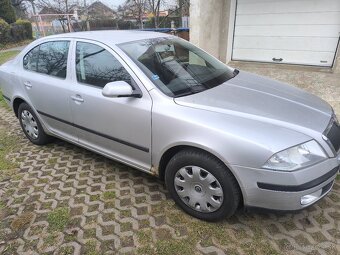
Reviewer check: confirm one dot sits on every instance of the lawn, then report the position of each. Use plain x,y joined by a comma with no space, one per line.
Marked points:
7,55
7,46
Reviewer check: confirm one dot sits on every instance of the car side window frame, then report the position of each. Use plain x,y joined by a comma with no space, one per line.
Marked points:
50,41
27,53
136,84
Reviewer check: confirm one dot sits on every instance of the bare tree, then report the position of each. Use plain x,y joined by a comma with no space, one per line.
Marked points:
137,8
154,6
179,8
20,8
58,7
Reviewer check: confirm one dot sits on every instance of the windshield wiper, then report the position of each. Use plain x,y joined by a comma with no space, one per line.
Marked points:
191,92
185,94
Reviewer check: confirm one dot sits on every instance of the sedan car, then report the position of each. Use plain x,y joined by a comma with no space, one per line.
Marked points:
220,138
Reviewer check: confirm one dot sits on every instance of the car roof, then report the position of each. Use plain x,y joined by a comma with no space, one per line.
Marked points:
111,36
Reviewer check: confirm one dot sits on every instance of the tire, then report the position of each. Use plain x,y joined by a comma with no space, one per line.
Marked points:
191,173
31,125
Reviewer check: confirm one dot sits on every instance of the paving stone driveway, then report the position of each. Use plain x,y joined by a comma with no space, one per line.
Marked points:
61,199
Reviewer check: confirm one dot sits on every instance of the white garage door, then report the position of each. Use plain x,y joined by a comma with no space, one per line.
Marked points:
287,31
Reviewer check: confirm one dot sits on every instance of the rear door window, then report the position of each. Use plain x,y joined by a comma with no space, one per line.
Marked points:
48,58
52,58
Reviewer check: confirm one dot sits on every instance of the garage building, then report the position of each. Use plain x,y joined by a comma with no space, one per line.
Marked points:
301,32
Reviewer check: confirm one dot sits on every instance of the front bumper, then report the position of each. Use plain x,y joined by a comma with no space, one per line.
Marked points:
277,190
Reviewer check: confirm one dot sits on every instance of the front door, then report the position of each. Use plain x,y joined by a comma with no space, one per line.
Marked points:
117,127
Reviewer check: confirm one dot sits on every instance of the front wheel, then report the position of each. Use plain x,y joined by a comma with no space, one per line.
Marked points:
31,126
202,185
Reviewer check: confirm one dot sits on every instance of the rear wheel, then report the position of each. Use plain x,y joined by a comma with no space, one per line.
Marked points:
202,185
31,126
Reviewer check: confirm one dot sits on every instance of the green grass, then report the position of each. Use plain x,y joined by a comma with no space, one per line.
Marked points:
7,144
50,239
144,236
5,56
52,161
58,218
66,250
6,46
21,221
167,247
2,101
107,195
204,233
90,248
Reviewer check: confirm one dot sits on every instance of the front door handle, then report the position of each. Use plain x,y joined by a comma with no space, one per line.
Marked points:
77,98
28,84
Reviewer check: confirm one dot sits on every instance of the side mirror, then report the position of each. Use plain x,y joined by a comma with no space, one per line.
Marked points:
118,89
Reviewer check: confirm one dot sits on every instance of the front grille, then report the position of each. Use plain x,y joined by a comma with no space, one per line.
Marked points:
333,136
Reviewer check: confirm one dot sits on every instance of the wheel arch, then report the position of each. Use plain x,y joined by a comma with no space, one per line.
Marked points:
170,152
16,103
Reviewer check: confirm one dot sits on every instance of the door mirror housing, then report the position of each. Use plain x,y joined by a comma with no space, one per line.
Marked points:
119,89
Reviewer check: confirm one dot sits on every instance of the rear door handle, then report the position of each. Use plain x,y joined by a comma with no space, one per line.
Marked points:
77,98
28,84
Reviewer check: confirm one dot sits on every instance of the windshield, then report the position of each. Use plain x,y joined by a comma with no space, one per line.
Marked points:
177,67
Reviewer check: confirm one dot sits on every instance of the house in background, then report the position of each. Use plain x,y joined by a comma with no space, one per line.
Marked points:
271,31
98,10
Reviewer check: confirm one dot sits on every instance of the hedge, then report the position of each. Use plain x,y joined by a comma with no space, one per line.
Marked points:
15,32
21,30
4,31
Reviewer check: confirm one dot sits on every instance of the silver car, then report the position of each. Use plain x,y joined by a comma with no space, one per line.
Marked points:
220,138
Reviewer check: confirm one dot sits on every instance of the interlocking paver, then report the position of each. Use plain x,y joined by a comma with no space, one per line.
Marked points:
113,209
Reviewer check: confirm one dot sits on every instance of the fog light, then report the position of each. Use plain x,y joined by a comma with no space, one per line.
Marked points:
310,198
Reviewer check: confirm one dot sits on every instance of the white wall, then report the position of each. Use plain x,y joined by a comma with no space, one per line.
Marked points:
337,61
211,23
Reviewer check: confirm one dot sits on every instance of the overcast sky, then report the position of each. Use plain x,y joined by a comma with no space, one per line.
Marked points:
110,3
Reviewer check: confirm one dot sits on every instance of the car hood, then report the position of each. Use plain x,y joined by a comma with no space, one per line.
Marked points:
252,96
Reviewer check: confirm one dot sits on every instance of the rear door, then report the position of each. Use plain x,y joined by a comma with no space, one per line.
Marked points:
46,81
117,127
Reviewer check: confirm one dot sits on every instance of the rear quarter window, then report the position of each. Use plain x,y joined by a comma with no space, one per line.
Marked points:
31,59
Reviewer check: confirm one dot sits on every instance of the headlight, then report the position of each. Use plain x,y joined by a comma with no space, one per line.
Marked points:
300,156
